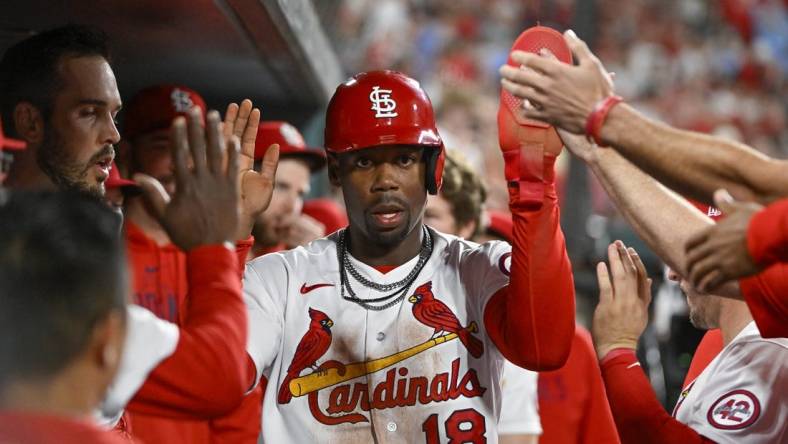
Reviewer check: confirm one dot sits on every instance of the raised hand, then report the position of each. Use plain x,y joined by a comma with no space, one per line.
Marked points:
561,94
204,208
624,296
719,253
255,187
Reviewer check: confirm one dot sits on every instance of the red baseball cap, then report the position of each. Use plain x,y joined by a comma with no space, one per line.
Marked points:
7,143
115,181
327,212
291,144
155,107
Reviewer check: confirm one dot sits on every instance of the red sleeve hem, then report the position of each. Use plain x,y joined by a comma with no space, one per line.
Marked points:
767,234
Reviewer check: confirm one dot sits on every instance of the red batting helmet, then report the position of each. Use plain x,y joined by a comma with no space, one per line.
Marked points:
379,108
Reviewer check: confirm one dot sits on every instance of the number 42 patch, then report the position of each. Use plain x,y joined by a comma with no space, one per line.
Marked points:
734,410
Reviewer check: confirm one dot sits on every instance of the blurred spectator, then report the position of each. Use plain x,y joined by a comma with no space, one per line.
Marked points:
282,225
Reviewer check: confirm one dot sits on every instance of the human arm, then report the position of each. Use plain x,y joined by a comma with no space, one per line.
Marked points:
693,164
255,187
242,425
664,220
619,320
531,320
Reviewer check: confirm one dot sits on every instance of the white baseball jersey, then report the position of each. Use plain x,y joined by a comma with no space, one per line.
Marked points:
149,340
742,396
520,402
402,380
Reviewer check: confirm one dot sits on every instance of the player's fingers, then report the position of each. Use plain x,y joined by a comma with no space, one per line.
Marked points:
249,136
617,271
197,139
711,281
154,194
233,153
701,271
542,65
525,77
605,288
578,47
270,162
523,92
644,283
179,140
243,118
724,201
626,259
215,143
698,239
229,120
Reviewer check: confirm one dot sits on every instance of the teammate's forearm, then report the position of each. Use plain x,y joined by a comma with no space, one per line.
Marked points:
664,220
532,319
694,164
638,415
211,347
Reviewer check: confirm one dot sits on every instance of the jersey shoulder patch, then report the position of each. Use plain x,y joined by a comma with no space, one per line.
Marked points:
734,410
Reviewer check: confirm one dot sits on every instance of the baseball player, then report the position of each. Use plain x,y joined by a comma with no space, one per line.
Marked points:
65,152
581,100
62,316
739,396
390,331
665,221
282,225
457,210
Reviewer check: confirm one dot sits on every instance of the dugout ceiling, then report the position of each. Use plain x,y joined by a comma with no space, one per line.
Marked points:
273,51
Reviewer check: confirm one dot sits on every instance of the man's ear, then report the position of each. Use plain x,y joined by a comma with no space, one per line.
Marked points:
333,169
29,123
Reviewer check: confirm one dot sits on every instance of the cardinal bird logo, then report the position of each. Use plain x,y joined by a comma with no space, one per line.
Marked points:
434,313
313,345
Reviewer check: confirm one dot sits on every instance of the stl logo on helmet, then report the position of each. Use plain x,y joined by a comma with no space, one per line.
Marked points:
382,103
181,100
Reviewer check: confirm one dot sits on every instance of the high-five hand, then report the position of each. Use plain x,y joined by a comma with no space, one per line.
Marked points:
204,208
255,187
624,296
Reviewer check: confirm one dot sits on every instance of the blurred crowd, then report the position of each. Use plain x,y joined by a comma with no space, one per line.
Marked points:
710,66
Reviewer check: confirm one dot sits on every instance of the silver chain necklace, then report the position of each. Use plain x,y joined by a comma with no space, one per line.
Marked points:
401,287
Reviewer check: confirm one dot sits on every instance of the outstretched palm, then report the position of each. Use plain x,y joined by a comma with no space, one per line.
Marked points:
255,187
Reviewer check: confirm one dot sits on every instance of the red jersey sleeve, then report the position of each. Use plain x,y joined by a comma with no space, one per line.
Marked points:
532,320
638,415
767,234
244,424
766,294
206,375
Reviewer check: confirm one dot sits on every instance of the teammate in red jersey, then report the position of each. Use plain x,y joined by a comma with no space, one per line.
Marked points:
60,94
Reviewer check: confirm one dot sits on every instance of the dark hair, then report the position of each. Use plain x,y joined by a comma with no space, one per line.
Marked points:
464,190
62,269
29,70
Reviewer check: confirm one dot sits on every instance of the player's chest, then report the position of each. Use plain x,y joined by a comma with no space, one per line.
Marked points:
425,356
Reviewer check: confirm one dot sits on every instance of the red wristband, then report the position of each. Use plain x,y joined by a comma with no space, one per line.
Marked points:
597,117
